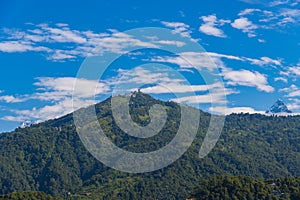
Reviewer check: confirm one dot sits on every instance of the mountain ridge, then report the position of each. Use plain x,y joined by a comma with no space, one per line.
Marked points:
50,157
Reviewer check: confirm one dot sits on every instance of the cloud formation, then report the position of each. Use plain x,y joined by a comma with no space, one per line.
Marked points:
247,78
179,27
56,93
245,25
230,110
212,60
43,38
211,26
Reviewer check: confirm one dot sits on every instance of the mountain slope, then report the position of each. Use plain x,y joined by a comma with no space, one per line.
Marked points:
50,157
32,195
241,187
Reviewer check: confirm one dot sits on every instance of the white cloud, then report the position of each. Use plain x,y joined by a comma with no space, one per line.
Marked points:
215,96
20,46
245,25
143,76
264,61
63,34
76,43
253,1
171,42
46,112
281,79
185,70
293,94
235,110
198,99
278,2
295,70
179,27
118,42
288,12
61,24
198,60
180,88
212,60
73,44
11,99
209,29
285,14
289,89
295,3
60,55
292,91
218,55
164,82
294,104
66,85
211,24
247,78
248,11
292,71
57,93
281,17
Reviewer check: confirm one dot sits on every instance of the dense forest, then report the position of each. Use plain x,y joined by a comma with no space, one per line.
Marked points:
27,195
50,157
241,187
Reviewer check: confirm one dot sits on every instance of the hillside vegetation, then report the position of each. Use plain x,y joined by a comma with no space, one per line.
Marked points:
241,187
50,157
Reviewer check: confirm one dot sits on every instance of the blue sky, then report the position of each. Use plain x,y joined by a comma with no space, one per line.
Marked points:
254,44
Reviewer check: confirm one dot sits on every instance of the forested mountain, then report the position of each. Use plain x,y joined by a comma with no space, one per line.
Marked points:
50,157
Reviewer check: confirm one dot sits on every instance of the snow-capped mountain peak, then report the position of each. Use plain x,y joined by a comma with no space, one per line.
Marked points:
278,107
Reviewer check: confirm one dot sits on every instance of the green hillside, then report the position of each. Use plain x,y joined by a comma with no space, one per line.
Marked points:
50,157
244,188
24,195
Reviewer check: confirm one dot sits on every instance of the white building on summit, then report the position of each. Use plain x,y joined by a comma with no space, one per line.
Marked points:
25,124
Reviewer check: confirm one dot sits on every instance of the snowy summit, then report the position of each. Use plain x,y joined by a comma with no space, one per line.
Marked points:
278,107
